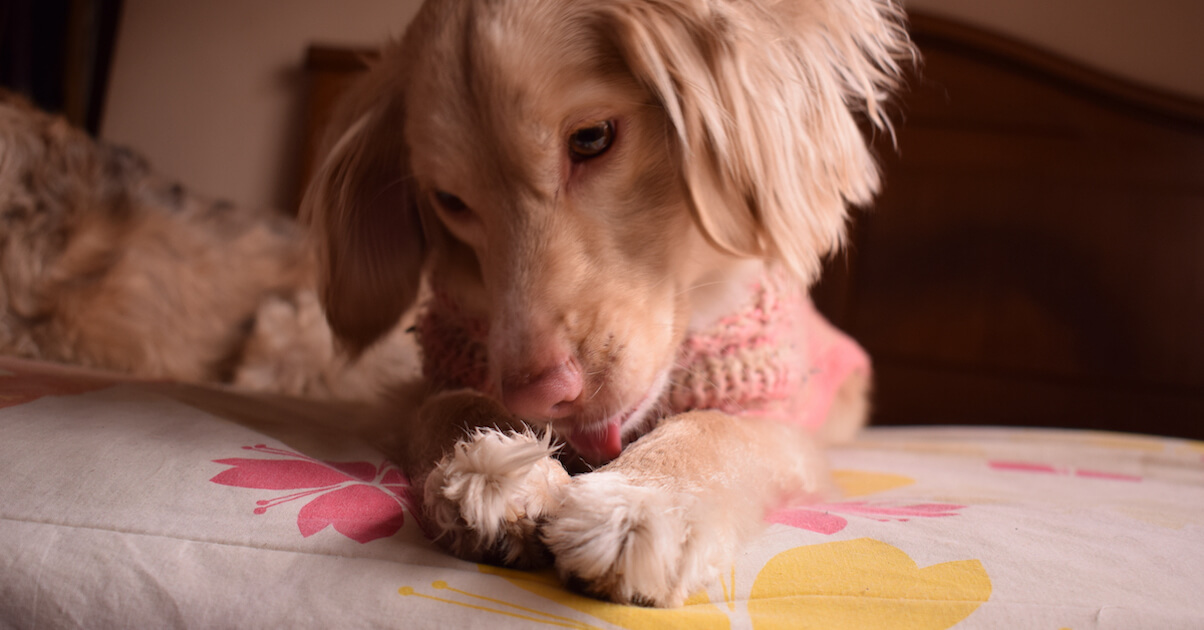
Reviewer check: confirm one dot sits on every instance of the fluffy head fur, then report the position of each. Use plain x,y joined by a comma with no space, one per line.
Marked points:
736,141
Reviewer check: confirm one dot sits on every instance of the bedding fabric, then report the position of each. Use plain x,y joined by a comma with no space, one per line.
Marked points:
129,505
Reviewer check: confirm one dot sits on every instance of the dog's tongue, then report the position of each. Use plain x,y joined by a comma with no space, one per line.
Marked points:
599,444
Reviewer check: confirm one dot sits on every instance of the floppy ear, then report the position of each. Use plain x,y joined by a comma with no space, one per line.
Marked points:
363,214
764,98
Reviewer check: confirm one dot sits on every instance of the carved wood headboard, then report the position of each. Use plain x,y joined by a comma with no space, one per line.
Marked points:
1037,256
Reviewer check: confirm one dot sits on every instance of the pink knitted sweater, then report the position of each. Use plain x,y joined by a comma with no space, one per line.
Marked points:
775,356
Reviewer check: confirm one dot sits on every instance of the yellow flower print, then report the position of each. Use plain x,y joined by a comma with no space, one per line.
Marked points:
1123,442
859,483
863,583
697,612
844,585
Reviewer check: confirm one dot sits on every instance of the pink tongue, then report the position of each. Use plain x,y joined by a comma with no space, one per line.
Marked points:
601,445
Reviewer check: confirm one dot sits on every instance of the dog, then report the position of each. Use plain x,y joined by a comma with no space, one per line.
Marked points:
615,208
105,264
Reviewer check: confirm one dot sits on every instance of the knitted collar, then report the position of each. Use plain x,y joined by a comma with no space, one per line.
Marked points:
773,356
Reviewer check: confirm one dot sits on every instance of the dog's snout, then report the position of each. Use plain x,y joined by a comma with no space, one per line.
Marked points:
548,395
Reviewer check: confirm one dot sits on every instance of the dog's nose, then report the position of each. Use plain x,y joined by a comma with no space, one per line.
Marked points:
547,396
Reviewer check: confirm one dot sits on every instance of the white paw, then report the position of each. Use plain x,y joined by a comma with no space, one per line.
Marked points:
635,544
486,497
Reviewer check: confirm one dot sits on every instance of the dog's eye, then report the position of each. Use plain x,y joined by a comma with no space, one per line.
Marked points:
592,141
450,202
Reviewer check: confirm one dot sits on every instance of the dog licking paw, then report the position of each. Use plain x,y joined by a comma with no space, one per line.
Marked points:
614,210
629,543
487,496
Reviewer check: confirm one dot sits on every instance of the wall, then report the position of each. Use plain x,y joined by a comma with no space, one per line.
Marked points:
1156,42
210,91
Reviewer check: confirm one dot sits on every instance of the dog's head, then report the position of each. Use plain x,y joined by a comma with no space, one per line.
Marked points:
588,176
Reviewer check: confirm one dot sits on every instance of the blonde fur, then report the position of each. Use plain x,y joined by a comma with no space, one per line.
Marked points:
763,97
735,147
490,493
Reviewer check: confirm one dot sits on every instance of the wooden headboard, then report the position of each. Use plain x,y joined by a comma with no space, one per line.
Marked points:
1037,256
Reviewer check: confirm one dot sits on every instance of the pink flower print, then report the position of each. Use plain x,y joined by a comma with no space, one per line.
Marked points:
362,501
820,518
1045,469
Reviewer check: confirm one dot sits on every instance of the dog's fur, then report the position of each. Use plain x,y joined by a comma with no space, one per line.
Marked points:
105,264
736,149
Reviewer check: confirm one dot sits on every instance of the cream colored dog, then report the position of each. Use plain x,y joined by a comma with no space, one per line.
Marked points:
603,196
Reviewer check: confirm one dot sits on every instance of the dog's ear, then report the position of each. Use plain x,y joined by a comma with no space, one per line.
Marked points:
363,214
764,99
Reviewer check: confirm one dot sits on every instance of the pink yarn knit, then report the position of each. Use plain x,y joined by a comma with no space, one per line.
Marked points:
776,356
454,353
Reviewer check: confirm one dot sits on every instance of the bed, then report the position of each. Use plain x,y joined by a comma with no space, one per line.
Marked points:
155,505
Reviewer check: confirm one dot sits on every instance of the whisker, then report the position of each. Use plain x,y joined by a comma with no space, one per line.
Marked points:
593,395
663,280
698,286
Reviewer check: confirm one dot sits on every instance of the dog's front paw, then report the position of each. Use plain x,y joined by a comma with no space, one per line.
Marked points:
487,496
634,544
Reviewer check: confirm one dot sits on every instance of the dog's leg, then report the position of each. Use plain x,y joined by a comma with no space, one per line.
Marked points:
664,518
486,479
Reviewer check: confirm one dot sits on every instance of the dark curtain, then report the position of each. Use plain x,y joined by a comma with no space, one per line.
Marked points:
58,53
